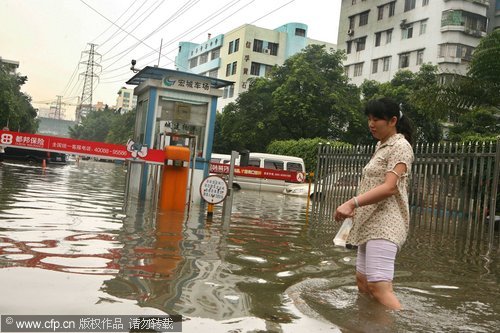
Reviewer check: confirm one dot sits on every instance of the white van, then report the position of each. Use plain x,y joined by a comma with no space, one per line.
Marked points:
266,161
220,158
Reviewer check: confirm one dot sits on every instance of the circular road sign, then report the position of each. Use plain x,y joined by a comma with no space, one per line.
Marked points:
213,189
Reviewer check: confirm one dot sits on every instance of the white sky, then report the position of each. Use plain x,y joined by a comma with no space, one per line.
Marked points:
48,37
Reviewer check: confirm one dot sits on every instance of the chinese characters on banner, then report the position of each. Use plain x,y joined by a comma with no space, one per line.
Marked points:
77,147
289,176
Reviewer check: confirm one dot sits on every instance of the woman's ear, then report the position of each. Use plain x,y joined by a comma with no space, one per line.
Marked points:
393,121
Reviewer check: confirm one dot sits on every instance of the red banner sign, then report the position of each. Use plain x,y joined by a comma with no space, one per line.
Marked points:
288,176
81,147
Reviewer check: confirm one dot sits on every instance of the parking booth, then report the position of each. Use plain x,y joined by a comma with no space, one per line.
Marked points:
176,113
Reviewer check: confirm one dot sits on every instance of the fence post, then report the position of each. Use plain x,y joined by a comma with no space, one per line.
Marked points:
494,191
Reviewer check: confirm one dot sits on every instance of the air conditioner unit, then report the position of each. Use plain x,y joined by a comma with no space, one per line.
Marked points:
402,25
350,32
266,51
247,57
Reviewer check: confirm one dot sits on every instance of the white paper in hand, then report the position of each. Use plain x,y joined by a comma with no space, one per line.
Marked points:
341,236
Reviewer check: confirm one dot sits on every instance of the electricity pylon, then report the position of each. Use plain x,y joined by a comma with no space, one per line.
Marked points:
91,59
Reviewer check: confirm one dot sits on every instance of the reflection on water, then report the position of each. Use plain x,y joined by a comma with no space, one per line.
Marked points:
64,232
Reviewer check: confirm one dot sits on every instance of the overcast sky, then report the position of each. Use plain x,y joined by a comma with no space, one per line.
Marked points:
48,37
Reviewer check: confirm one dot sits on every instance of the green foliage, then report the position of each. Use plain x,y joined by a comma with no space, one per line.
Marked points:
308,97
480,124
16,110
419,93
107,125
305,148
122,128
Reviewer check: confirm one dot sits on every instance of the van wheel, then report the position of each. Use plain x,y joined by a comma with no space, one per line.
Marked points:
32,160
236,187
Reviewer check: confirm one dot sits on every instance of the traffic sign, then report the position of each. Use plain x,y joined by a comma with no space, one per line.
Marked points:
213,189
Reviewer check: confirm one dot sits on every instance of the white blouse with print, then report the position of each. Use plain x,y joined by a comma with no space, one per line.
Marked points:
387,219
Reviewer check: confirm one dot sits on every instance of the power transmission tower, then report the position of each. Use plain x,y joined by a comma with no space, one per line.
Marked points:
57,114
90,75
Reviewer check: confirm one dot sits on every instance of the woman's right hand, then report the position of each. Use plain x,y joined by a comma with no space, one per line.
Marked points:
345,210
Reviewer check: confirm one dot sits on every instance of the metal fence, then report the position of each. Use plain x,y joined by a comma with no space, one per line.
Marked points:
453,187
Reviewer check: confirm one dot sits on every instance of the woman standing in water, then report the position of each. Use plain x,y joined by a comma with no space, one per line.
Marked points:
380,211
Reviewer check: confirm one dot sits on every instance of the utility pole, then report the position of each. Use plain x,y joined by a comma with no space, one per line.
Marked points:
90,74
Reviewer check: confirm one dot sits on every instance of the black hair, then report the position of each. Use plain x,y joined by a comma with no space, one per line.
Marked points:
386,108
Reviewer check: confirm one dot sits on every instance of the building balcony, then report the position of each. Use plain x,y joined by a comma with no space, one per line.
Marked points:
449,60
485,3
465,30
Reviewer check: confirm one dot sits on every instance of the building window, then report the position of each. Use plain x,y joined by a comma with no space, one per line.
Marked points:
230,48
404,60
471,22
273,48
349,47
257,45
407,32
346,71
300,32
363,18
459,51
388,36
420,57
392,8
360,44
193,62
358,69
213,73
380,15
351,22
228,69
374,66
425,3
236,45
410,4
255,69
235,65
423,27
215,54
203,58
378,36
387,64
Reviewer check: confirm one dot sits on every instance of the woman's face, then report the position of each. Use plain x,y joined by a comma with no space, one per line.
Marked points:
380,128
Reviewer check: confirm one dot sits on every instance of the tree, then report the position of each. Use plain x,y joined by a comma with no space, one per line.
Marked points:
477,95
479,124
485,67
420,97
309,96
16,110
107,125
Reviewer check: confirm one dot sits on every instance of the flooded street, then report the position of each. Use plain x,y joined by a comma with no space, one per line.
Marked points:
69,245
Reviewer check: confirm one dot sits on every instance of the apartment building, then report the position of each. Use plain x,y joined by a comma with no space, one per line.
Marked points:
494,15
126,100
383,36
244,53
10,65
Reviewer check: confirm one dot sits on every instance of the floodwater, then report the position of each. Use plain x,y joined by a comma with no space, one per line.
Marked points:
68,246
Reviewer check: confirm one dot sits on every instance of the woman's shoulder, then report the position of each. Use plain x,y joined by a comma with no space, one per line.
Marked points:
403,148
